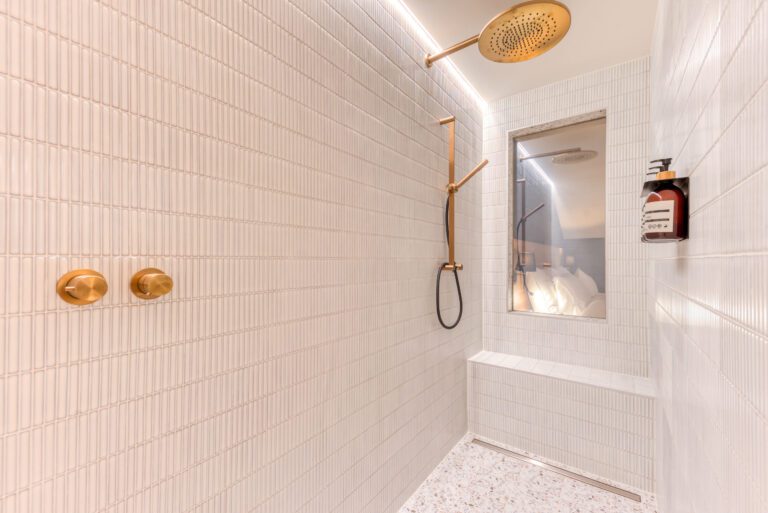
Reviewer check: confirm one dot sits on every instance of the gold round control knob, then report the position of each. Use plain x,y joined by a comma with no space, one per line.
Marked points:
151,283
82,287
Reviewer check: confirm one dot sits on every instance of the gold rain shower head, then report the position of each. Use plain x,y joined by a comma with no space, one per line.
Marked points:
523,32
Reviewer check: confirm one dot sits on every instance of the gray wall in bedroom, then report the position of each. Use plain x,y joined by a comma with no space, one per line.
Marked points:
543,227
590,257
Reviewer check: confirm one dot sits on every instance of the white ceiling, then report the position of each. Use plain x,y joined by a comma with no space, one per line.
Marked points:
603,33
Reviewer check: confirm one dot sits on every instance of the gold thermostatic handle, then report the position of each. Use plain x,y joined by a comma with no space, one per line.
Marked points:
82,287
151,283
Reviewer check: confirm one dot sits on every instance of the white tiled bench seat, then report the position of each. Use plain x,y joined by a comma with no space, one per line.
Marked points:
594,421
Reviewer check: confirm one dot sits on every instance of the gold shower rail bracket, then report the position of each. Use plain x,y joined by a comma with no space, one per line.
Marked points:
452,188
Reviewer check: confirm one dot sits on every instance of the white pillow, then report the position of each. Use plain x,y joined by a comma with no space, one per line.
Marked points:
596,308
587,281
572,295
542,291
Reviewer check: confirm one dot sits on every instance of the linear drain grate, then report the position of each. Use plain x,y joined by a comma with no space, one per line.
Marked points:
561,471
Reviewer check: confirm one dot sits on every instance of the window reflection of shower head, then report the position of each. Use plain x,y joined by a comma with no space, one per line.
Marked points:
549,154
543,174
574,157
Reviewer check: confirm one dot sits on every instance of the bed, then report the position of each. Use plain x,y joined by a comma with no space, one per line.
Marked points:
556,290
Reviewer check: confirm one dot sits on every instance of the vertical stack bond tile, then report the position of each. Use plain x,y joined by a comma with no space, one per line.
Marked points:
708,295
281,160
590,427
618,343
599,430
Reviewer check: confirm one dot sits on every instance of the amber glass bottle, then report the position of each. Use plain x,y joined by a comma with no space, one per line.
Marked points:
665,213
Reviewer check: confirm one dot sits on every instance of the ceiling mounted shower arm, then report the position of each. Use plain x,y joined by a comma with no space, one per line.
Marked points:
429,59
522,32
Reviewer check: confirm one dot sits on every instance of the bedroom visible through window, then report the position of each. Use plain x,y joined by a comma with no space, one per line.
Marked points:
557,218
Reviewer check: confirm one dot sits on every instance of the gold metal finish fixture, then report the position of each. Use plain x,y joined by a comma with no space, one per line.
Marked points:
82,287
452,189
429,59
523,32
151,283
456,186
451,122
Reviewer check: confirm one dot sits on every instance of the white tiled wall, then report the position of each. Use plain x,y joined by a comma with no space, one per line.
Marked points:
710,294
564,398
282,161
618,343
552,412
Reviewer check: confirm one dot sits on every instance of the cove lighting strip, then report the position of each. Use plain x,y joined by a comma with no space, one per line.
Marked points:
432,46
536,166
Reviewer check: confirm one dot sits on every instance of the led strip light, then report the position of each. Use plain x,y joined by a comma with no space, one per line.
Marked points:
432,46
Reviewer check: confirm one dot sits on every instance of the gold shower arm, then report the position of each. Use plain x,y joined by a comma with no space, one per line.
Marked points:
429,59
456,186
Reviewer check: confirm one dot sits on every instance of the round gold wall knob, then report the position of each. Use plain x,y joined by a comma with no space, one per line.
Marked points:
151,283
82,287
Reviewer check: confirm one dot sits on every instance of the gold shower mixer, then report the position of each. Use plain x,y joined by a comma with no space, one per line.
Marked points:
452,188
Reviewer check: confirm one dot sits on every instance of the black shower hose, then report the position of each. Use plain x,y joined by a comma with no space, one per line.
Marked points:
455,276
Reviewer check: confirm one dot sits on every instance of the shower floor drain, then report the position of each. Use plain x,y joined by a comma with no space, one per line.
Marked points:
561,471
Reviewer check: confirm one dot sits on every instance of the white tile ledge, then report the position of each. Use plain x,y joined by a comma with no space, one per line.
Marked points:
626,383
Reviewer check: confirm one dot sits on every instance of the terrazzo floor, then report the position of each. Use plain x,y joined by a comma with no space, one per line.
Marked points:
474,479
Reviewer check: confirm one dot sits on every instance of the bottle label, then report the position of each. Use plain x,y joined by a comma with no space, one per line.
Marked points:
658,217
